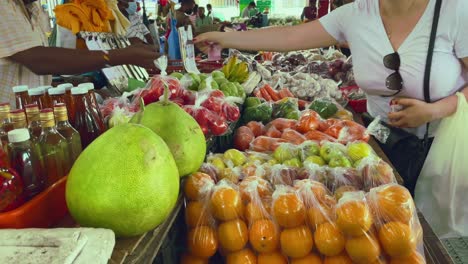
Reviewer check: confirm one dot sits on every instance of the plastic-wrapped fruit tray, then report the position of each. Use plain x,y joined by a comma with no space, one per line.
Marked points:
44,210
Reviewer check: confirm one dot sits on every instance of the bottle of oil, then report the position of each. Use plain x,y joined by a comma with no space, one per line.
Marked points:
54,149
85,121
21,96
34,122
6,124
68,132
56,95
68,98
94,104
38,96
25,159
18,118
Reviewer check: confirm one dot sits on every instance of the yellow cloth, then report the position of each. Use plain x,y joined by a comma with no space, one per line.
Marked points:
85,15
120,24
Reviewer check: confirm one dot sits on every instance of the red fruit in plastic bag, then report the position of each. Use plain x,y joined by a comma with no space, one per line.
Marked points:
217,93
283,123
243,137
264,144
214,104
256,127
327,123
309,121
231,112
293,137
273,132
319,136
217,124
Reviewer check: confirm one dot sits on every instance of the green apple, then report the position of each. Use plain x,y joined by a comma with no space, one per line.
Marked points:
220,80
218,163
310,148
293,163
203,76
339,161
234,155
218,74
359,150
285,152
316,160
177,75
328,150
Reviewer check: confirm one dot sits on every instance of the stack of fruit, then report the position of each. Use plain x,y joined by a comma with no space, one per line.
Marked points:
254,222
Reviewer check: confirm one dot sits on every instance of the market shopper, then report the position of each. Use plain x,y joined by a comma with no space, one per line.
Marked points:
25,58
389,40
202,19
183,13
137,32
250,10
310,12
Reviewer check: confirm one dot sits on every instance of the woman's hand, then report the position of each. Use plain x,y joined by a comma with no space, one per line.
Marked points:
414,114
205,41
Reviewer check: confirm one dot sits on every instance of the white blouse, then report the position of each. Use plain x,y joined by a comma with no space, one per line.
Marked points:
360,24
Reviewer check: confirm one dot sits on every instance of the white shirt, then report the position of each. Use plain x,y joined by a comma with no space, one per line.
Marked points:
360,25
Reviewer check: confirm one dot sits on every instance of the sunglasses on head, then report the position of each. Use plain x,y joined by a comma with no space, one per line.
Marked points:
394,81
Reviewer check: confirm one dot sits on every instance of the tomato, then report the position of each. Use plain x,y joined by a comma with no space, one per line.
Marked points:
308,121
265,144
319,136
231,112
327,123
256,127
293,137
283,123
273,132
214,104
242,138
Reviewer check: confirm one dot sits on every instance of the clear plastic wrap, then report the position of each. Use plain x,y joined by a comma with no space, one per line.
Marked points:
397,224
265,144
375,172
281,174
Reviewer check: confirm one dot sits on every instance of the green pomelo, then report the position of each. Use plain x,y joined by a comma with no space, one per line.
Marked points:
179,130
126,180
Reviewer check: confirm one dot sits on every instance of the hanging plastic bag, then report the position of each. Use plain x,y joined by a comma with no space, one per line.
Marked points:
443,183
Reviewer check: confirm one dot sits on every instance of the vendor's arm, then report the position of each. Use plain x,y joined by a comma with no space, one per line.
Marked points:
417,113
49,60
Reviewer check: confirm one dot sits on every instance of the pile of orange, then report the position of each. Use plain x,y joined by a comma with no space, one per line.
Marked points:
249,223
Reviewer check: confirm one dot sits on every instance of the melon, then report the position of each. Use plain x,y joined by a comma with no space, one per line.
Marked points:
179,130
126,180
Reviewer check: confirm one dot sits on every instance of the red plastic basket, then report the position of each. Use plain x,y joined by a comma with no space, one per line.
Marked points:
44,210
359,106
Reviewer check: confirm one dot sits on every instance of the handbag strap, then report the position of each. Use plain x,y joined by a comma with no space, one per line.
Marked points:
430,53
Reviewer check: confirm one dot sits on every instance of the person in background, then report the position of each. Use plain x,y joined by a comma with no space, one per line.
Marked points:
26,59
250,10
194,15
309,13
202,19
209,8
183,13
137,32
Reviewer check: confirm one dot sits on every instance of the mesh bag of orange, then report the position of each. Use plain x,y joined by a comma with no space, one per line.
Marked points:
202,241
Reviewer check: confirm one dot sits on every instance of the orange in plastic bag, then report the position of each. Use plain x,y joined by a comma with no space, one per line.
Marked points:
296,242
308,121
256,127
398,240
340,259
392,203
264,236
309,259
245,256
202,242
288,209
196,184
226,203
293,137
242,138
189,259
353,215
329,239
233,235
363,249
196,214
272,258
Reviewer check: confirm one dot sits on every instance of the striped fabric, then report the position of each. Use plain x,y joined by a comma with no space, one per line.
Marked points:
137,29
21,28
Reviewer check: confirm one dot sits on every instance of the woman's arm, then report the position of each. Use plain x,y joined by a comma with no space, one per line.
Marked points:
305,36
417,113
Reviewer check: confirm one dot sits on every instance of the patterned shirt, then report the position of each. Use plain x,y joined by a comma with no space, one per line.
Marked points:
137,29
22,28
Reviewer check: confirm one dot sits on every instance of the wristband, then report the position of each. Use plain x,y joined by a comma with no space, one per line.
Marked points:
106,58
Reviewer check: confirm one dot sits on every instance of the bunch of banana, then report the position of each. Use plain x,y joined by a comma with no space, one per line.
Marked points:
236,71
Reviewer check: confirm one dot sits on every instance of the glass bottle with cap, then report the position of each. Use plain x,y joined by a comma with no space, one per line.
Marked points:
68,132
18,118
37,96
68,97
95,106
54,149
46,95
57,95
25,159
6,125
21,96
85,121
34,121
